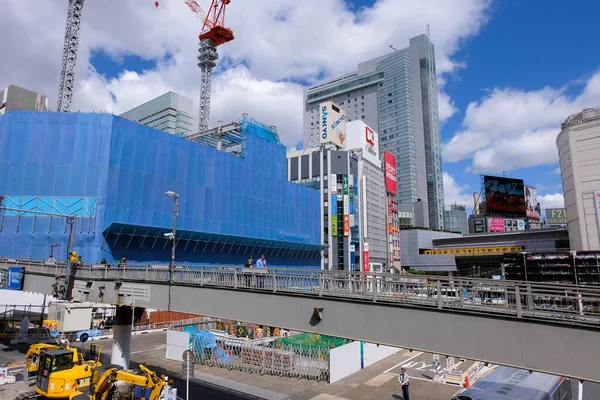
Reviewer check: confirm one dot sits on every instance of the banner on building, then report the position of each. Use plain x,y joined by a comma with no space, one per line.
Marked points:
367,266
333,184
556,216
345,183
496,225
346,204
532,207
334,204
332,124
352,221
390,172
352,257
346,225
334,225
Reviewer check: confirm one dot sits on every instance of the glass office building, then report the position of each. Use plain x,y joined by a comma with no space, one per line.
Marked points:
170,113
395,94
456,220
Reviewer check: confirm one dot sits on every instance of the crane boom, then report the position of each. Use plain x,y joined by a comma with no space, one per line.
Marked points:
69,57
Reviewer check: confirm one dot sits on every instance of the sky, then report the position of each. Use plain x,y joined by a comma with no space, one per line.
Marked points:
509,71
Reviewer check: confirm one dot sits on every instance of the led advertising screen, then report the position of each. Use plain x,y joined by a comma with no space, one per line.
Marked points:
532,207
504,195
556,216
389,161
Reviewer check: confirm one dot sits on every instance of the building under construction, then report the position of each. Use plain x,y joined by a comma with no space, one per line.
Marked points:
109,177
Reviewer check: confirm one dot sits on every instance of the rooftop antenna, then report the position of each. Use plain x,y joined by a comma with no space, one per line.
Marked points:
391,46
428,33
504,173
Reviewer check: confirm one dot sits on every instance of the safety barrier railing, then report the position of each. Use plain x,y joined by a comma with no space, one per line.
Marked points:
553,302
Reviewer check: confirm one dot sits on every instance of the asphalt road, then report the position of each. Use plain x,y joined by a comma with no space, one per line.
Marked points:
142,347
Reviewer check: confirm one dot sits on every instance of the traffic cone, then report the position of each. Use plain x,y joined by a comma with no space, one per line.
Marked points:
467,384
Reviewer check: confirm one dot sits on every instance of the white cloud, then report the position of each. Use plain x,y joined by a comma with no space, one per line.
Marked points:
556,171
277,42
510,128
455,193
555,200
446,107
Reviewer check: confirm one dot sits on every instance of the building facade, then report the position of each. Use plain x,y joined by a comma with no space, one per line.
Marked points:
334,173
578,144
110,175
18,98
396,95
170,113
456,220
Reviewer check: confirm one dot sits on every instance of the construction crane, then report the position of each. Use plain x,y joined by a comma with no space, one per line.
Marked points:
69,58
213,34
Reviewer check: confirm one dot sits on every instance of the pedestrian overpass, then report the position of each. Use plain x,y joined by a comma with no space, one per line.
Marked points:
547,328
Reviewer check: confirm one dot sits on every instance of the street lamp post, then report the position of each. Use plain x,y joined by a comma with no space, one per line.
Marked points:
175,197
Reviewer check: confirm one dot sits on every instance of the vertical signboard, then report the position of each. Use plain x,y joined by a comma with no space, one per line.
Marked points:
352,257
332,124
597,207
346,225
363,209
532,207
334,225
367,267
389,161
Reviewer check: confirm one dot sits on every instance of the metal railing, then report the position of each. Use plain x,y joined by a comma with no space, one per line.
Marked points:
558,303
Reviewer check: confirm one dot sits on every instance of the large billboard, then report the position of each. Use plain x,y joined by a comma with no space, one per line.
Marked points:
332,124
532,207
360,136
556,216
504,195
496,225
389,163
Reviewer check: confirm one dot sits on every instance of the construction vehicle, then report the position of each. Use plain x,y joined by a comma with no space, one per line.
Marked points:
61,370
104,384
35,350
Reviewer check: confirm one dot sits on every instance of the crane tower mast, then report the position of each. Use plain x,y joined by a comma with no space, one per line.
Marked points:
213,34
69,58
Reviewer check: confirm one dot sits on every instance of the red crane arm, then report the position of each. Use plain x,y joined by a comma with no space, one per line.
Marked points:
216,14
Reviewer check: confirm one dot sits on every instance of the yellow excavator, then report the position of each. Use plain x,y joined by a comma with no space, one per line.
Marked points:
61,370
104,384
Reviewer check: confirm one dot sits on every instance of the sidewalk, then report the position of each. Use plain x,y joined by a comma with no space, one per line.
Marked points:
369,384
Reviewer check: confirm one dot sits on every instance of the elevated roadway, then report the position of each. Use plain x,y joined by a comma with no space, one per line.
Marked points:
546,328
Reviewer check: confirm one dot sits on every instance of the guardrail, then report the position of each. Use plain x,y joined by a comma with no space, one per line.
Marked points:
558,303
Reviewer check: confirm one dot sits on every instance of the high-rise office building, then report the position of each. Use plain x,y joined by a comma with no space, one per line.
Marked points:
577,145
170,113
17,98
395,94
456,219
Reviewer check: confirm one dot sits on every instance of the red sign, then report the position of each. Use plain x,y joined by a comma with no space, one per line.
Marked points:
367,267
370,136
389,161
346,225
496,224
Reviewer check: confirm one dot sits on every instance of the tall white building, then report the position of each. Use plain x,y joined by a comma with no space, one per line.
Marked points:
170,113
396,95
348,172
579,156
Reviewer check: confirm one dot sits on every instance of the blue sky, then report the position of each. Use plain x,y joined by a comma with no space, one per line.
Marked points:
510,71
526,45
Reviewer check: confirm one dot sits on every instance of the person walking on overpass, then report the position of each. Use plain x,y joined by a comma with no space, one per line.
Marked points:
247,274
403,380
262,264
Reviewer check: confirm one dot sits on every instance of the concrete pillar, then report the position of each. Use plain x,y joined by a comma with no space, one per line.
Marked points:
121,346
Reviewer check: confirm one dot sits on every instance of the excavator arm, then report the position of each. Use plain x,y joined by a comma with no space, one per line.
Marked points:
101,390
32,357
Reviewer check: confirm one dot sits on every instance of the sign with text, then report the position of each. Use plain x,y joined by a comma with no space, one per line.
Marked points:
367,266
334,225
556,216
496,225
346,225
389,161
332,124
15,278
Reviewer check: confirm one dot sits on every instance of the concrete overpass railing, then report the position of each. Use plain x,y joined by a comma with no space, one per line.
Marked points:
550,303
